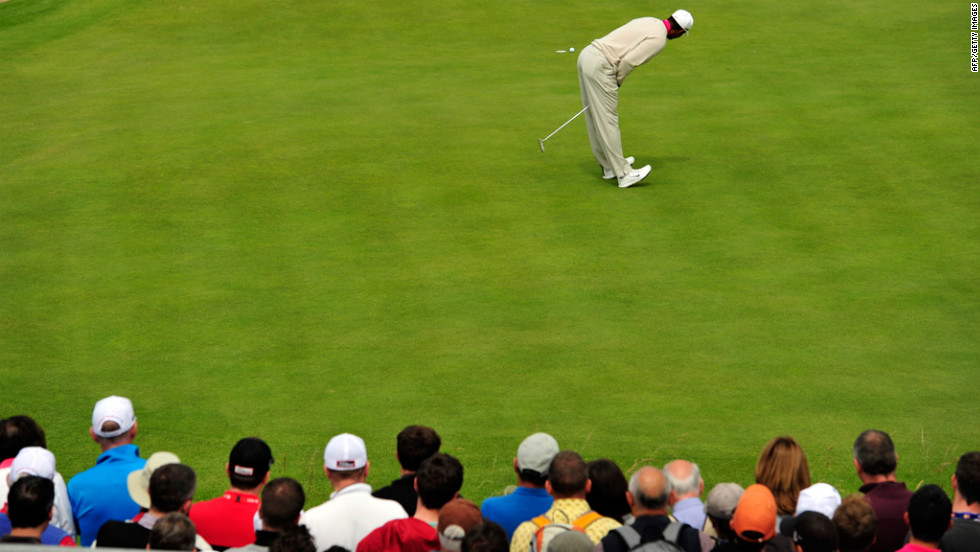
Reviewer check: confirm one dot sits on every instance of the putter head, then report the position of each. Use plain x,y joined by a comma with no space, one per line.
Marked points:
541,143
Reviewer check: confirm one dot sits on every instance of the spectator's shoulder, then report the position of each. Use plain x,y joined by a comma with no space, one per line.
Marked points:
492,503
374,541
521,540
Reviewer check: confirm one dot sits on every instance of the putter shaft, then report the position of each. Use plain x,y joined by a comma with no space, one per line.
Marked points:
541,141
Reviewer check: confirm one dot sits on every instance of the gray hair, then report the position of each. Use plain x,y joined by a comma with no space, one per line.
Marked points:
645,500
875,452
691,483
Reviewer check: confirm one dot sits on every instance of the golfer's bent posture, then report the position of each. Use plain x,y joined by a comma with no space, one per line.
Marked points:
602,68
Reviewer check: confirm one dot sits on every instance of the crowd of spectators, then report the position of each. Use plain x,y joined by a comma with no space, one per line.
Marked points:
560,503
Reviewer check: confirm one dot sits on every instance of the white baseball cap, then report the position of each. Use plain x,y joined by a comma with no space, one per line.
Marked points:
684,19
32,461
345,452
113,409
819,497
139,481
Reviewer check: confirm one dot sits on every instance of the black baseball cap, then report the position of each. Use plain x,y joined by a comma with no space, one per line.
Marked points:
251,457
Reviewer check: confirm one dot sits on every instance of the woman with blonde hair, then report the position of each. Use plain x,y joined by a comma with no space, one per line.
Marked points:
782,467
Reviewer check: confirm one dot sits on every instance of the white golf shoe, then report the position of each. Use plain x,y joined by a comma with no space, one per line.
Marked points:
634,176
608,174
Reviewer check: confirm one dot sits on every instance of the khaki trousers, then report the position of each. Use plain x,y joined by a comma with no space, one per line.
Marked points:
597,80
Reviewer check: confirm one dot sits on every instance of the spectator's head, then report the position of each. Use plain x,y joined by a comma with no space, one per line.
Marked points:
17,432
929,513
113,419
249,463
607,494
754,520
966,480
720,505
782,467
487,537
456,518
295,539
568,476
438,480
32,461
415,444
113,422
571,541
534,456
813,532
138,481
649,491
174,531
172,488
345,460
29,502
282,501
856,524
874,453
819,497
685,480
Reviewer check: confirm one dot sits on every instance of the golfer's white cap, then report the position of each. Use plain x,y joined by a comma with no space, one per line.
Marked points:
345,452
684,19
113,409
32,461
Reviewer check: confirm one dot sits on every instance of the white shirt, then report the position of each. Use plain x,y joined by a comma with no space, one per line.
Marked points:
62,507
349,515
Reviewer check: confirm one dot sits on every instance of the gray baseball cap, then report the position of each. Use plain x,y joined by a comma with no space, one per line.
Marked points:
722,500
536,453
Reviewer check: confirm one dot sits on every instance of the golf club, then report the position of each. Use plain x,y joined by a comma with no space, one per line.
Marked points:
541,141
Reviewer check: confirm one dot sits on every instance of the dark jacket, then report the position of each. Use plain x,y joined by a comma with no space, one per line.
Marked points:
401,490
651,528
889,500
122,534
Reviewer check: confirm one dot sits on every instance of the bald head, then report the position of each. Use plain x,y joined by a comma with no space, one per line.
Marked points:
649,492
685,480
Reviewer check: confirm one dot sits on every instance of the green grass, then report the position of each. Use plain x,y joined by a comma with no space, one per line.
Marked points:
294,219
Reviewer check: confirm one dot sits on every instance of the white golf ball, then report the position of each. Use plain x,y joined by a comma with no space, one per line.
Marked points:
571,49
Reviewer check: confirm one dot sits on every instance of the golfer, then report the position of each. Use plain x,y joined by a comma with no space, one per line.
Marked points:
602,68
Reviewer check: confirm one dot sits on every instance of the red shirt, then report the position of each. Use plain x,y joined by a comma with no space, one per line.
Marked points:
401,535
226,521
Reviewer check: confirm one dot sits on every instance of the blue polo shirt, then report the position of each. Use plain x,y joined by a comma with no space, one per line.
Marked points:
100,493
511,510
